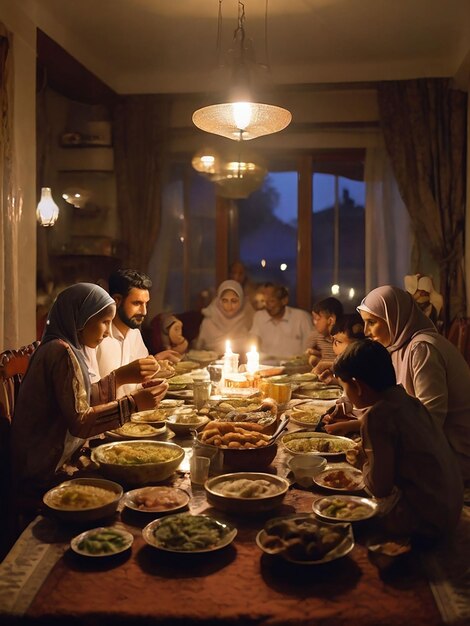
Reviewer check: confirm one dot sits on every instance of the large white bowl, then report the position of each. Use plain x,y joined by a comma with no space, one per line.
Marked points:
139,473
243,505
80,514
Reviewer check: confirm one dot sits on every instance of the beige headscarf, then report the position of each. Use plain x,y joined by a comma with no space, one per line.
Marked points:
403,316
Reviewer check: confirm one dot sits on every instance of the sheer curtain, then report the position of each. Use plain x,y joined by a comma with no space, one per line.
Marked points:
388,234
10,202
424,123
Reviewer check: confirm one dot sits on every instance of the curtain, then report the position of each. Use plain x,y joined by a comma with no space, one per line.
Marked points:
424,126
141,131
10,203
388,236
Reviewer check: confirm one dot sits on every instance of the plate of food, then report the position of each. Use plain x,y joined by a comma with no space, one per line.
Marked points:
340,479
188,534
152,416
137,430
344,508
308,415
156,499
103,541
304,540
318,391
310,442
183,423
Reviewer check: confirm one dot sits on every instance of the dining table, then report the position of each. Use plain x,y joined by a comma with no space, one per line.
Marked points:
42,581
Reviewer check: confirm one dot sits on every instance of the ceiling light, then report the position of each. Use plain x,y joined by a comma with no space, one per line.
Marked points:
241,119
76,196
47,211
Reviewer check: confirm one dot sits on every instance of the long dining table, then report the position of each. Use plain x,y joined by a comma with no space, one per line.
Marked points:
42,581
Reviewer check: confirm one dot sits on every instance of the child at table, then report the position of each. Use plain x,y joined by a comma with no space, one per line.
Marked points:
325,313
405,457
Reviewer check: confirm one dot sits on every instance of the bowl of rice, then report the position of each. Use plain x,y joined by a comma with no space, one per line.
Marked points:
138,462
84,499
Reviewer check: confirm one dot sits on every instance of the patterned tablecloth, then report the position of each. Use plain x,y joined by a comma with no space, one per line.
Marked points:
43,581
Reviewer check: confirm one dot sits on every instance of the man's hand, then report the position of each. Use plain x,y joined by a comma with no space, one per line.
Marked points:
150,397
168,355
343,428
137,371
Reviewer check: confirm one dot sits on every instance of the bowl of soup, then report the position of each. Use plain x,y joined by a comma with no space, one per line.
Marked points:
84,499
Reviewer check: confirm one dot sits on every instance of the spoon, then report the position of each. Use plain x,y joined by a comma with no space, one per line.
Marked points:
280,429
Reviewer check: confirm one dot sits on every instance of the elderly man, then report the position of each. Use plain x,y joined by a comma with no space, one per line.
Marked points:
281,331
131,291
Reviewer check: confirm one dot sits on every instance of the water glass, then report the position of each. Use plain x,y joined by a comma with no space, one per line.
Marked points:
199,469
201,393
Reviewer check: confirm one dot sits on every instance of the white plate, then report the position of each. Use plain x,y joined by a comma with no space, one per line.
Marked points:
369,504
342,549
318,394
128,540
157,432
149,536
347,443
350,472
129,500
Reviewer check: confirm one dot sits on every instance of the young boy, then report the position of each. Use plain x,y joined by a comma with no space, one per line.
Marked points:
405,455
324,315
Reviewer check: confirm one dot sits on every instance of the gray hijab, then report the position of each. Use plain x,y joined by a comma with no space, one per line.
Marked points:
398,309
70,312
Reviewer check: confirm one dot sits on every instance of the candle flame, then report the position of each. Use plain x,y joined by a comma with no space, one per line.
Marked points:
228,347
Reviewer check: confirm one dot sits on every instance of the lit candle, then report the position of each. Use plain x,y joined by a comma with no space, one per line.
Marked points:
252,361
230,360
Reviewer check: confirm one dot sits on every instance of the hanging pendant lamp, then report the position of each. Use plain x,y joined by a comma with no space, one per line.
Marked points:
241,119
47,211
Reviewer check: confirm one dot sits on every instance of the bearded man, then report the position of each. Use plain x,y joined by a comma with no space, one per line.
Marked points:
130,290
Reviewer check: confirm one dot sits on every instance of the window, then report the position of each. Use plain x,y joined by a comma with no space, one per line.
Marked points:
267,228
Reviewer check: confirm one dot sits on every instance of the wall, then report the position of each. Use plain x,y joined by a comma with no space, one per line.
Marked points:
24,50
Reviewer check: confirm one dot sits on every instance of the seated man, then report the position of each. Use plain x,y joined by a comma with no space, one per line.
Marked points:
281,331
325,313
130,290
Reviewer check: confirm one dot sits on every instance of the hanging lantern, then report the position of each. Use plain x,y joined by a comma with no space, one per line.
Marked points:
47,211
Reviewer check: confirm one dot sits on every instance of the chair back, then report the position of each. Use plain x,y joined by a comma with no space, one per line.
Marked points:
13,366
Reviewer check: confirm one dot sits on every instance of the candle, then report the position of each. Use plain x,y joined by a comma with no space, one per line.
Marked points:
252,361
230,360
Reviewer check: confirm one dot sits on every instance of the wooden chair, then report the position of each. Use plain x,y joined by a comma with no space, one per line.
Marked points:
13,366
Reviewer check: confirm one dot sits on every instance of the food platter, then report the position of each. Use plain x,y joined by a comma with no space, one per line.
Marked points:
309,442
318,391
246,492
167,499
344,508
308,528
340,479
102,542
309,414
188,534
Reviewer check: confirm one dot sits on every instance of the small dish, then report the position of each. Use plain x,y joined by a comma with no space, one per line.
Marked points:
344,508
167,499
102,542
188,534
137,430
180,426
340,479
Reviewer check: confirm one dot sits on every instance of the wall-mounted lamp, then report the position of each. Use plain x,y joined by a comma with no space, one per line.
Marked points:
47,211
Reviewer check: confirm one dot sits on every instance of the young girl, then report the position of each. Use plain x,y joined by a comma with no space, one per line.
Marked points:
405,456
57,406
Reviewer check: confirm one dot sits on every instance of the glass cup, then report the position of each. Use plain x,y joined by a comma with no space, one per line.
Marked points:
199,469
201,393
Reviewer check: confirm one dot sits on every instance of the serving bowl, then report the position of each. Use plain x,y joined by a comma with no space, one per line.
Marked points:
243,459
72,500
246,504
123,461
194,422
305,467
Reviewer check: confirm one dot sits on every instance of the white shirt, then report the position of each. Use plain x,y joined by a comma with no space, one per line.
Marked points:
284,338
113,352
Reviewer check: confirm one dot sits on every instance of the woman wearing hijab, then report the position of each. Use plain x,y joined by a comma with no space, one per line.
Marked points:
428,366
57,406
226,317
